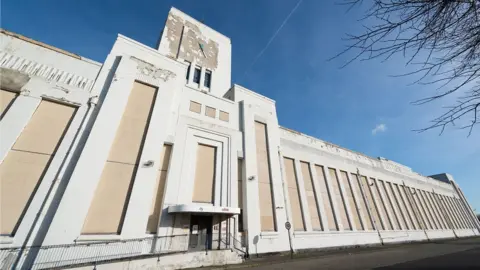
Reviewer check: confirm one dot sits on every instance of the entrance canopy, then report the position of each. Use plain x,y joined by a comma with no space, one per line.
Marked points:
203,209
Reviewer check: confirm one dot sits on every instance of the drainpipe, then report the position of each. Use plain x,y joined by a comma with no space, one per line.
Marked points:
369,210
285,200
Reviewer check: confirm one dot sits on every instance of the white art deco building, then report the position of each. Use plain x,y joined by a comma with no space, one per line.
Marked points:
154,159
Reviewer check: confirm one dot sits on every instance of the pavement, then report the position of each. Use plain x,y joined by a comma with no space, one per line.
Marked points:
446,254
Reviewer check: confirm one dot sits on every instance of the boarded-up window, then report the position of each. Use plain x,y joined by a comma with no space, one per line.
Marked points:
371,203
362,204
381,205
462,222
294,194
441,209
422,208
415,209
224,116
6,100
204,174
110,201
393,206
388,205
311,196
326,198
436,213
428,211
158,190
452,214
25,164
403,215
448,211
397,206
210,112
464,213
267,218
195,107
403,207
408,208
351,200
342,210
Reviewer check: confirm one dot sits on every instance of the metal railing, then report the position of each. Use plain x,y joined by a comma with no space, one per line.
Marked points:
231,242
89,253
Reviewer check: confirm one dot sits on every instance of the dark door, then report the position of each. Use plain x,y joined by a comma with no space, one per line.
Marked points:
200,232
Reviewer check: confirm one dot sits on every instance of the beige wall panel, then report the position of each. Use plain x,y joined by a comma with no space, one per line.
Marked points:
361,200
204,174
294,195
6,100
437,215
465,215
422,209
448,211
426,209
351,201
210,112
20,173
391,223
326,198
391,204
128,141
45,129
407,208
461,222
156,208
266,206
224,116
384,204
339,199
264,181
195,107
310,192
106,210
416,211
431,210
454,213
24,165
397,204
451,213
371,204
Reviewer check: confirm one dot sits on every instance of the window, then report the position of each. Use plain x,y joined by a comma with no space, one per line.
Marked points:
196,75
208,78
188,70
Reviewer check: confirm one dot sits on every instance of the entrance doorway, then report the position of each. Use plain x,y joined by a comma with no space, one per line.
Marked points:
200,232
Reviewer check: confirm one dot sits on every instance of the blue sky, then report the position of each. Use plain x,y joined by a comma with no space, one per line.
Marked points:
313,95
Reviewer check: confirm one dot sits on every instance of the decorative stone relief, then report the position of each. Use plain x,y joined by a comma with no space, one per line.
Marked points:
152,71
50,74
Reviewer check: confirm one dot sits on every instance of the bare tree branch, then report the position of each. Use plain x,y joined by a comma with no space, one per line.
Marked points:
442,36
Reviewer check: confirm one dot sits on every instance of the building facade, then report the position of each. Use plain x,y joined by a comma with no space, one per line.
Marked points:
155,152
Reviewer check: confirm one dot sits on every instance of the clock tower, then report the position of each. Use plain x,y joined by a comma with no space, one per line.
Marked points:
204,50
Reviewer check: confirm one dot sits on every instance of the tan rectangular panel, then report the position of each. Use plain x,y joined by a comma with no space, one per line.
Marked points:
397,204
210,112
371,203
452,216
427,209
204,174
340,199
450,219
415,209
393,206
110,201
23,168
421,206
459,214
265,192
6,100
437,215
108,205
195,107
384,204
406,205
351,201
432,210
465,215
326,198
45,128
311,196
159,188
441,210
294,194
362,204
224,116
127,146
